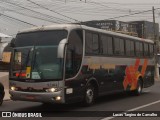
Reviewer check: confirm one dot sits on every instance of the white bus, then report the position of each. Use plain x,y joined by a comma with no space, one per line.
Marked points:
70,63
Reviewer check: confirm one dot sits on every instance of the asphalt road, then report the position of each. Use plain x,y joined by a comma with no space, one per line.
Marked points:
117,103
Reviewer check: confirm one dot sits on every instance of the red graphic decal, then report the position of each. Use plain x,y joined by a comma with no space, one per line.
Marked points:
132,74
137,64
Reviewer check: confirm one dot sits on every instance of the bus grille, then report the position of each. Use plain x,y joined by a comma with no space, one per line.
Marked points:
30,90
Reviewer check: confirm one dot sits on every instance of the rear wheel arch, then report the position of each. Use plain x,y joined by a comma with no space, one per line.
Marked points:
138,90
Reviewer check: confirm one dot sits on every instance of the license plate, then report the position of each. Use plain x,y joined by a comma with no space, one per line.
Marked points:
30,97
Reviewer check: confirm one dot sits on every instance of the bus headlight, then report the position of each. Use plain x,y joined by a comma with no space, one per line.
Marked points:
53,89
13,88
58,98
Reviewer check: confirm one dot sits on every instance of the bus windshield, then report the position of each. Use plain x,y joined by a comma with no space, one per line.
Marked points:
35,56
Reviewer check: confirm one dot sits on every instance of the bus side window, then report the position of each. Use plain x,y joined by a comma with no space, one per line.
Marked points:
95,43
116,46
89,43
141,49
69,63
137,45
132,48
128,47
151,50
122,46
92,43
146,51
107,45
74,53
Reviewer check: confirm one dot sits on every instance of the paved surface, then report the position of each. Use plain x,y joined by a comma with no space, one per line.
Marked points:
148,101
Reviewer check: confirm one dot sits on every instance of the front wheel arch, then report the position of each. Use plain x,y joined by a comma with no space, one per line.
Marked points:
91,87
95,85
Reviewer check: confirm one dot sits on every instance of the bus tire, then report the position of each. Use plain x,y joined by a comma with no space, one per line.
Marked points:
139,88
89,95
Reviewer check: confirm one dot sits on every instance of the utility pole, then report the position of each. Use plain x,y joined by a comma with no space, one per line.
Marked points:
156,47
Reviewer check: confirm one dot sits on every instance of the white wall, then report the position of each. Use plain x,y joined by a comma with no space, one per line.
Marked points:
2,46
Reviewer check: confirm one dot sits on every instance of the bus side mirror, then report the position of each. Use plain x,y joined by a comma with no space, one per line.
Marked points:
61,47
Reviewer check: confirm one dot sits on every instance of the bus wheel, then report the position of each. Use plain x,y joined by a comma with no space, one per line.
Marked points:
89,95
138,90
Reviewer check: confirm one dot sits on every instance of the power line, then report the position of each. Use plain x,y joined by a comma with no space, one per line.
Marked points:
17,19
97,3
27,15
52,10
33,6
35,11
132,14
129,3
91,10
73,11
97,14
8,23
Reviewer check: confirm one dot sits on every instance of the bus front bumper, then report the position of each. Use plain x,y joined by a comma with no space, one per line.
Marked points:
44,97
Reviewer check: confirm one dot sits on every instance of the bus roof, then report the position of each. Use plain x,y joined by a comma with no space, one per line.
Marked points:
78,26
52,27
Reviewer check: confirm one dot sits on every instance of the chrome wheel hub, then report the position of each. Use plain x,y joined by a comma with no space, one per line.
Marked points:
89,95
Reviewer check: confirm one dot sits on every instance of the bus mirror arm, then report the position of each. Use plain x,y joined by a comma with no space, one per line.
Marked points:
61,48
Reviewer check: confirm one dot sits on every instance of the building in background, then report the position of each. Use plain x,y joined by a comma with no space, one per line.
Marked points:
3,43
141,29
4,36
145,29
113,25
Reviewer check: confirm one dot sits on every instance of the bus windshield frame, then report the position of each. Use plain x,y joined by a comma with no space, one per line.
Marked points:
37,58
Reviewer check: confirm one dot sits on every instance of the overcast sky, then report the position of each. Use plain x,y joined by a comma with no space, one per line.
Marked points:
30,13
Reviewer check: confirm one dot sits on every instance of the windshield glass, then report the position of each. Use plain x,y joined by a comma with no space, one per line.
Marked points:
40,38
22,59
35,56
46,65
